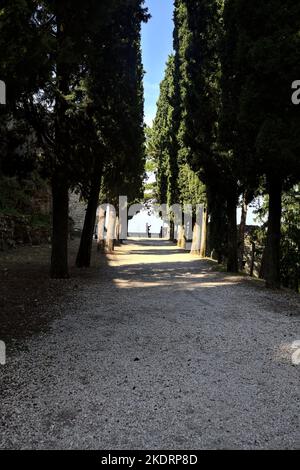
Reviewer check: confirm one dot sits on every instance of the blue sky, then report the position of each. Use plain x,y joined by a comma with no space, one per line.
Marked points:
157,44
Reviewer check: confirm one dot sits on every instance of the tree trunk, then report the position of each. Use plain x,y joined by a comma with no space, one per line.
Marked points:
172,231
203,246
120,231
85,250
181,237
272,267
60,186
117,232
110,237
232,260
196,244
263,264
101,230
242,231
197,232
217,226
252,259
60,228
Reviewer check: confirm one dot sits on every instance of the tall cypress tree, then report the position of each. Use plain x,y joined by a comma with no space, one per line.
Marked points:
80,118
263,40
176,181
196,41
163,140
122,115
54,37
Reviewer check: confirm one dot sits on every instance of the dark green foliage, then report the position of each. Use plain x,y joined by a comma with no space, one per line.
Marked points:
225,122
260,124
233,71
74,78
290,240
120,105
162,145
114,96
197,38
176,182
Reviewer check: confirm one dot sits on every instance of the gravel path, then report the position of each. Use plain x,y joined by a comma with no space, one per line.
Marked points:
155,350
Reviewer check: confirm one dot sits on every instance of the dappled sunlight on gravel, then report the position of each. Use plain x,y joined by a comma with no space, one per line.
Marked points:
154,349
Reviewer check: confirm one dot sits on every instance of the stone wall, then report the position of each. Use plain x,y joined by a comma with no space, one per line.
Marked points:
17,230
77,209
29,221
41,202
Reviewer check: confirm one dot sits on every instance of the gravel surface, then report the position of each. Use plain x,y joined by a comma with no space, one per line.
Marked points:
156,350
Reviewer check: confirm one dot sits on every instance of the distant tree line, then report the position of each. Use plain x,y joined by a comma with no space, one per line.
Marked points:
226,116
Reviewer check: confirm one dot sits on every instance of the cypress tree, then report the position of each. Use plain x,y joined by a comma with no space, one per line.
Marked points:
263,40
197,43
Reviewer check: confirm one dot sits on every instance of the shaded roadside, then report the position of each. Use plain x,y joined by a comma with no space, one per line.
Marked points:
29,299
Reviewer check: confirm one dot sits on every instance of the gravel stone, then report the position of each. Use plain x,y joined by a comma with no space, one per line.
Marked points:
157,350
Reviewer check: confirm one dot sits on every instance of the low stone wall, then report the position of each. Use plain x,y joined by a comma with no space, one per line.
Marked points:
16,230
142,235
77,209
41,201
